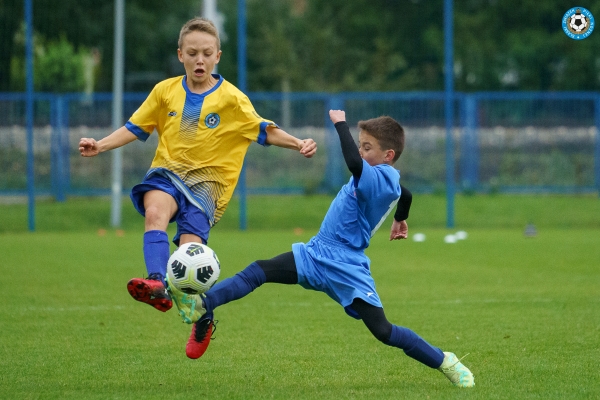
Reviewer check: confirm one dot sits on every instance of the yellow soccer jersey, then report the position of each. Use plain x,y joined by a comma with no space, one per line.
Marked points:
202,138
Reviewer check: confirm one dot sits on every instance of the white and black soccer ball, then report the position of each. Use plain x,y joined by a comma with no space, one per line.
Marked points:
193,268
578,23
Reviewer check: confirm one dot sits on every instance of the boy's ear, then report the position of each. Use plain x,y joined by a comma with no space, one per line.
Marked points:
389,155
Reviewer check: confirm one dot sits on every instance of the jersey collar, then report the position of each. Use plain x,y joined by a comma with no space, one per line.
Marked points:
219,79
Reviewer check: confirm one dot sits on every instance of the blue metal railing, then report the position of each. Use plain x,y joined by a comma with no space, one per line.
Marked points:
509,141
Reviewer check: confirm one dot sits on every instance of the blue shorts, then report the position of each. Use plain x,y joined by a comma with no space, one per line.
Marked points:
338,271
189,218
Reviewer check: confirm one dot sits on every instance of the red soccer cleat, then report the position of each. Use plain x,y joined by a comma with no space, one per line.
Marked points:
200,338
150,291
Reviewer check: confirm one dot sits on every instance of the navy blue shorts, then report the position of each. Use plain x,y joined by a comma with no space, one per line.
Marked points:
189,218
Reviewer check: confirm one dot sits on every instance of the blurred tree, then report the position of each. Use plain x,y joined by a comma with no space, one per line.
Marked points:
11,15
57,67
520,45
334,45
151,32
342,45
60,68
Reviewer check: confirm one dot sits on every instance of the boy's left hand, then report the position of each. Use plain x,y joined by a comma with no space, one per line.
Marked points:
399,230
309,148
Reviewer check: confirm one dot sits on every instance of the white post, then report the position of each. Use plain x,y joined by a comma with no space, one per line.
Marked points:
209,11
117,113
286,110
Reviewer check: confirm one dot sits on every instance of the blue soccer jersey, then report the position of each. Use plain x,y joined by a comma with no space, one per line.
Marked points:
334,261
358,211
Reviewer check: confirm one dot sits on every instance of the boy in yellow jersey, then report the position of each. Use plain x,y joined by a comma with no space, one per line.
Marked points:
204,126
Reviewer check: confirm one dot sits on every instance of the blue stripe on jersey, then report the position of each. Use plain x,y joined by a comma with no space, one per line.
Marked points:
137,131
190,115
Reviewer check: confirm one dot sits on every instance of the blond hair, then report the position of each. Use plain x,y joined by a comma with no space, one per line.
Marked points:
199,24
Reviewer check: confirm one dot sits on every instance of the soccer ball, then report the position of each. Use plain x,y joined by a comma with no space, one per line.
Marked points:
193,268
578,22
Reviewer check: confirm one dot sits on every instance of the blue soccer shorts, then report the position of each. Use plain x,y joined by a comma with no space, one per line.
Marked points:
341,273
189,218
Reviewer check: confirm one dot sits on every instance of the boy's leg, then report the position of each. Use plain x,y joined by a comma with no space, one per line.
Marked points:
192,226
159,209
413,345
193,307
156,254
280,269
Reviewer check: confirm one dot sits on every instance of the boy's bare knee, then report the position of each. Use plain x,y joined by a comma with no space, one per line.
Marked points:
156,218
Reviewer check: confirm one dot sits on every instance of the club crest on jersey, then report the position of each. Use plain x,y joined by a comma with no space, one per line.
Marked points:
212,120
172,114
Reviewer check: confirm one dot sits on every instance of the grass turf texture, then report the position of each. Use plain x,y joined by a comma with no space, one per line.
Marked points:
526,309
306,212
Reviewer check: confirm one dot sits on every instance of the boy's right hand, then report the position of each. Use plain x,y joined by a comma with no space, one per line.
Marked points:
309,148
88,147
337,116
399,230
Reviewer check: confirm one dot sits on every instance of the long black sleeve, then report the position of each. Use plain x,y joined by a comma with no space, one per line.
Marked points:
349,150
404,203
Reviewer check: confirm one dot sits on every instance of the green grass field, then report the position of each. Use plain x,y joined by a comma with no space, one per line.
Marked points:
524,308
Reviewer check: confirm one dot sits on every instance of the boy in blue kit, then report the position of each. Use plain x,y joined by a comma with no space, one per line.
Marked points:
334,261
204,126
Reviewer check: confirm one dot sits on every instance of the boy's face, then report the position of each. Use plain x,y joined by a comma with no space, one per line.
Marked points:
371,151
199,55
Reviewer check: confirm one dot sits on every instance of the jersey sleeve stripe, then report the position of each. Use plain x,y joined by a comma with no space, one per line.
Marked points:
262,134
137,131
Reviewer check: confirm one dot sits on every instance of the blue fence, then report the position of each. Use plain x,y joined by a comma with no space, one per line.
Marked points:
506,142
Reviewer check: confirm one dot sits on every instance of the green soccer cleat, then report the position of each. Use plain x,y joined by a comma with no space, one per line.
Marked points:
454,370
189,305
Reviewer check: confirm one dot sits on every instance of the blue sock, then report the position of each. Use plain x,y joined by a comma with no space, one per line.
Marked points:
415,347
156,252
235,287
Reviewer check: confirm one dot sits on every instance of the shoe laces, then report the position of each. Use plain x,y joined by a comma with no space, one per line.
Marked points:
458,360
462,358
202,327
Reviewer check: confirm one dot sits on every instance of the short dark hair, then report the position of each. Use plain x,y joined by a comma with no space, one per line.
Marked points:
388,132
199,24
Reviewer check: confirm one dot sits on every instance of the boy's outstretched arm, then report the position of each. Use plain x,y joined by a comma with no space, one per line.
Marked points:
280,138
399,226
349,148
89,147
